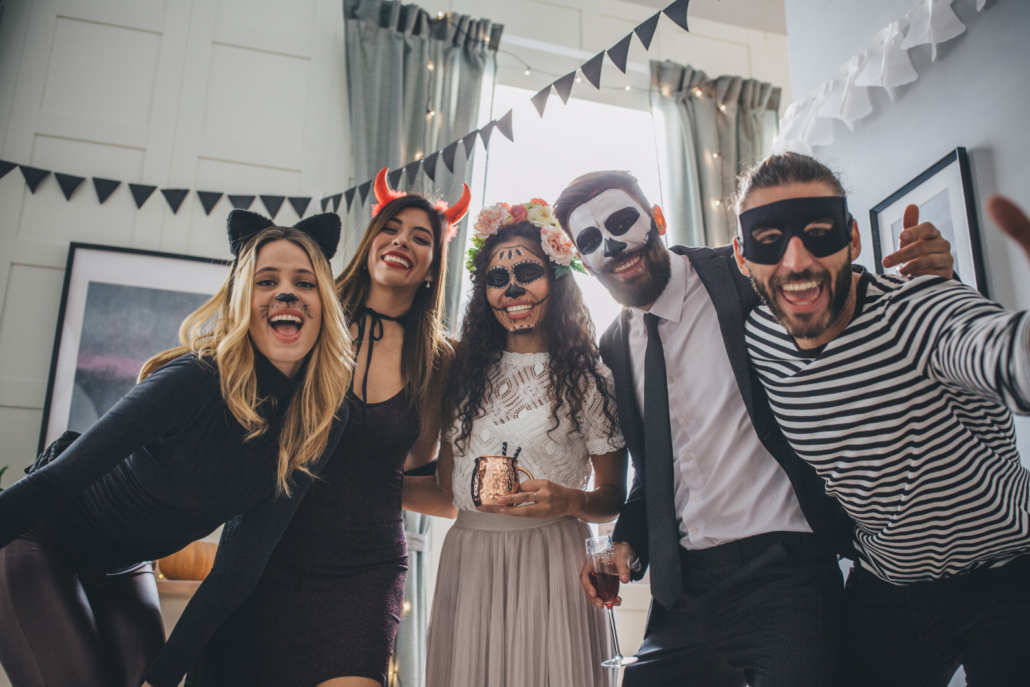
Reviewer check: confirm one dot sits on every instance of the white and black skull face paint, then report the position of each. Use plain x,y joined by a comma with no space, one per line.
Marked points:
608,226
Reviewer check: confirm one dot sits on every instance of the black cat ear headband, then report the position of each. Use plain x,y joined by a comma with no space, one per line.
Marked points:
243,225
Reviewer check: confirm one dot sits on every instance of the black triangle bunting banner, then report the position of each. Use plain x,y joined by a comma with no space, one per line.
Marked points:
272,204
33,176
325,203
485,132
677,12
68,183
395,177
6,167
336,201
448,155
140,193
412,172
620,53
300,205
104,188
175,196
504,125
242,202
470,143
592,70
563,87
209,199
540,99
363,191
349,195
645,32
429,165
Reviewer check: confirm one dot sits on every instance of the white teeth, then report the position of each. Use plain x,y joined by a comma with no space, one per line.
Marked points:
285,318
515,309
397,259
800,285
627,265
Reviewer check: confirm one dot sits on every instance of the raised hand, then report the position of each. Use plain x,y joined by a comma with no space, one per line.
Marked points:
923,251
1011,220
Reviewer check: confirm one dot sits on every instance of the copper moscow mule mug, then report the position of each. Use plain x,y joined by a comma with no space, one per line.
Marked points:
495,476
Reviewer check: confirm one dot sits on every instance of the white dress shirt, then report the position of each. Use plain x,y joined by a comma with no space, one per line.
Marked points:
729,486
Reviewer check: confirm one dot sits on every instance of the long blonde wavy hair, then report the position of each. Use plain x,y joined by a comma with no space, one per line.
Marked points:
219,331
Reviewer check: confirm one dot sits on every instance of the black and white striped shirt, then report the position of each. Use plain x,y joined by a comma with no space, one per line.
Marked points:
906,415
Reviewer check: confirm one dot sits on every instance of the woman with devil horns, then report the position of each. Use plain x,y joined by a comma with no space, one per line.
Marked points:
327,609
232,425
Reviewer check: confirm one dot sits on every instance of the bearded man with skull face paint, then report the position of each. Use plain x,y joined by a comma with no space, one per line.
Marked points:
737,530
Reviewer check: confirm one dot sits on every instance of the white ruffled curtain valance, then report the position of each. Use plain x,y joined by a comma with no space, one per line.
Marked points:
885,64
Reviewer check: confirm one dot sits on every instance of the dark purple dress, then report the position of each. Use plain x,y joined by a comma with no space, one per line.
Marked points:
329,602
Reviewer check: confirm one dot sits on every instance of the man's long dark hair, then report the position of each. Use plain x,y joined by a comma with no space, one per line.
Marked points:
574,356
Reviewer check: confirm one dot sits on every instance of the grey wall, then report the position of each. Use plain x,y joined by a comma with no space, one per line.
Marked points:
975,95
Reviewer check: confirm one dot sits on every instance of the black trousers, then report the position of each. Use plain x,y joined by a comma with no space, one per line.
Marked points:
917,635
761,611
62,627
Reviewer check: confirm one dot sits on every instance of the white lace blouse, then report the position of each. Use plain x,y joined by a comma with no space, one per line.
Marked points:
520,414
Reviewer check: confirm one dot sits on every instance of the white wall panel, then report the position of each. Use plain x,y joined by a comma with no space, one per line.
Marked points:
47,216
256,97
714,56
27,326
101,72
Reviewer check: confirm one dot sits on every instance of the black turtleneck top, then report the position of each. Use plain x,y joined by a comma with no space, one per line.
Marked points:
164,467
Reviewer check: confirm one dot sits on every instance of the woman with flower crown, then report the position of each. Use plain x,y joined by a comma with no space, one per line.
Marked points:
508,609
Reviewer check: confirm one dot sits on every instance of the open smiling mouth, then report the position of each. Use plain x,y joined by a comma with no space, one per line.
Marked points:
396,261
801,295
286,324
519,313
625,268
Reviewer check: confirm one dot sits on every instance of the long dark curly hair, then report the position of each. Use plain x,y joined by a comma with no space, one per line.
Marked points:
574,355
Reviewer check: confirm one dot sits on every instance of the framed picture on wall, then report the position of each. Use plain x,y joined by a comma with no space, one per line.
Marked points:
944,194
119,307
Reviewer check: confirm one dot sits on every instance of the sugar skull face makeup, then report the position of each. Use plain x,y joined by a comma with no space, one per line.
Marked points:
516,285
608,229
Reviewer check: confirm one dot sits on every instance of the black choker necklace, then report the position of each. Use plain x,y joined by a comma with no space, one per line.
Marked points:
375,333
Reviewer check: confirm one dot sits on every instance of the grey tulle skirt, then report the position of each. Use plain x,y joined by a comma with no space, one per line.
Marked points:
509,610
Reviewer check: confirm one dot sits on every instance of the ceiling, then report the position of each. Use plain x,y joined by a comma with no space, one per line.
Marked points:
762,15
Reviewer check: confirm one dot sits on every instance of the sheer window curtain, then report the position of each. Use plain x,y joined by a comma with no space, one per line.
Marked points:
709,131
414,83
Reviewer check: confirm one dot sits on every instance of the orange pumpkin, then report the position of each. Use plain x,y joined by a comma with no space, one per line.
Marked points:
192,563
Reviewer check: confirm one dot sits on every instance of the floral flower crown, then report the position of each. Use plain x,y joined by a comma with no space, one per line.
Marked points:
556,244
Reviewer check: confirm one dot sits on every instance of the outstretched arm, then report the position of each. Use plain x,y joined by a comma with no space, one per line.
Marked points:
166,399
981,347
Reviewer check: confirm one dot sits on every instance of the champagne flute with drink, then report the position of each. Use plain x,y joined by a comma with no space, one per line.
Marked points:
604,575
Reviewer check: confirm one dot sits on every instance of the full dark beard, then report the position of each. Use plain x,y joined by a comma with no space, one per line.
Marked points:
649,283
813,326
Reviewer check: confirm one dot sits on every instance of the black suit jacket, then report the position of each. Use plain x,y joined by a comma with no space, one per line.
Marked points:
734,298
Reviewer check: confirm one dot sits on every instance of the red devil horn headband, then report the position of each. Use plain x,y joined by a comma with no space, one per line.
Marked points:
385,194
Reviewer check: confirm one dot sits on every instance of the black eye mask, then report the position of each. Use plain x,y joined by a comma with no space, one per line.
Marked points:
524,273
777,223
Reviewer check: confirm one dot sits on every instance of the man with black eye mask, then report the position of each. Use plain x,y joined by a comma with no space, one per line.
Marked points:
738,532
900,394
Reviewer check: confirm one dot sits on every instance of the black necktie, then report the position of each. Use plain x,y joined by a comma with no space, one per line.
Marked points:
663,537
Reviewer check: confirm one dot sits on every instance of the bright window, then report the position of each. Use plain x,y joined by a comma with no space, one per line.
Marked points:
549,152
